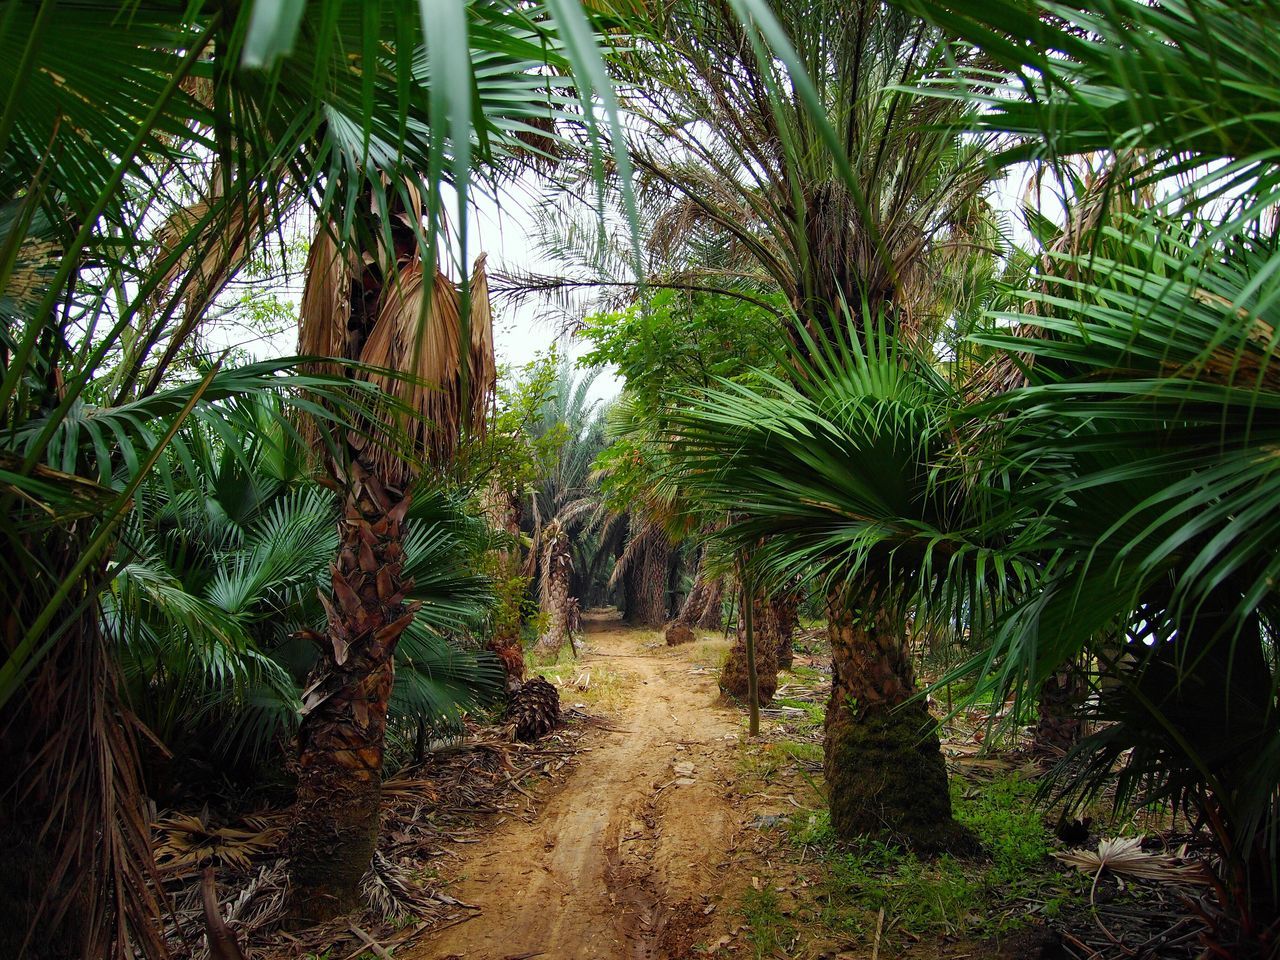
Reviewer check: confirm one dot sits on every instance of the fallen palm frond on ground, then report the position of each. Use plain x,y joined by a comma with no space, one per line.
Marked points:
1124,856
426,808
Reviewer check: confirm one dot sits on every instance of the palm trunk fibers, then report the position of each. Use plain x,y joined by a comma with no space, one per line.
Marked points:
343,729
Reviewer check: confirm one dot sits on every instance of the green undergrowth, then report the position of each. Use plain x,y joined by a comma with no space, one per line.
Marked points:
766,762
814,714
922,899
769,930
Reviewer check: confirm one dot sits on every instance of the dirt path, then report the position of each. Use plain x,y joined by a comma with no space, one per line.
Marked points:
623,861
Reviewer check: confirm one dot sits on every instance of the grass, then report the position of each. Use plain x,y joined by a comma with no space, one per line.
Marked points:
968,899
709,651
769,931
593,685
814,713
1011,827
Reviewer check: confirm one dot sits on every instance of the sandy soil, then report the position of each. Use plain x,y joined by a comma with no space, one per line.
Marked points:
628,858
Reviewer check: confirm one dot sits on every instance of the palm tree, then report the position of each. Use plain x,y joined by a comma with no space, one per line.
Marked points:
1152,522
873,213
217,592
556,570
374,307
869,202
565,507
103,253
832,477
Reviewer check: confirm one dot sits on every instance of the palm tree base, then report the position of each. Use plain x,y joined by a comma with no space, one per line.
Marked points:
733,678
331,845
887,780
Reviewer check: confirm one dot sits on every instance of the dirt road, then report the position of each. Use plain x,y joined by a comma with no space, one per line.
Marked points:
624,861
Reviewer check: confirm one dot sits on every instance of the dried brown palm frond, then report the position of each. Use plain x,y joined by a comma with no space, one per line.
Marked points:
326,298
36,262
650,530
185,843
1124,856
410,328
212,239
418,336
73,817
389,890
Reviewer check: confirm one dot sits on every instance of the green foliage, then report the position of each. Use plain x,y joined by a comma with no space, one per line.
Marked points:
836,475
923,896
1141,443
1010,825
673,341
515,453
814,713
220,567
769,930
812,829
945,895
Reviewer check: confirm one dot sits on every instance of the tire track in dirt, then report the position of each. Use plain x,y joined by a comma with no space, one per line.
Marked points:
627,848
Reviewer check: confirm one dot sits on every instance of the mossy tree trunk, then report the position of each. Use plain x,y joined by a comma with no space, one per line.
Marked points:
343,728
886,778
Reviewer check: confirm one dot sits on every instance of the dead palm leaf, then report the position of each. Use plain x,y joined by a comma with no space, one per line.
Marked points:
184,843
414,345
1124,856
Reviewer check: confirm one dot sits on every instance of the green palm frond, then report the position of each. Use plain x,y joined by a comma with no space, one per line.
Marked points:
1191,86
436,682
844,474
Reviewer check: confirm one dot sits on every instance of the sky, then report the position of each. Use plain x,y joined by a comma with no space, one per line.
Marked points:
504,228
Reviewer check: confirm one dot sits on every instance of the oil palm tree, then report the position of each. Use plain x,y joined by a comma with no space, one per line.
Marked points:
565,509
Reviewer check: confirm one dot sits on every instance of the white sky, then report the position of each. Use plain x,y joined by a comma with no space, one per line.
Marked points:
503,227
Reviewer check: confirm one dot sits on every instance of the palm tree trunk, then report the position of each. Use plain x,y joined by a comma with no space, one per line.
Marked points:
784,615
680,630
557,605
649,599
695,603
712,617
886,777
343,729
503,510
735,675
1061,723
